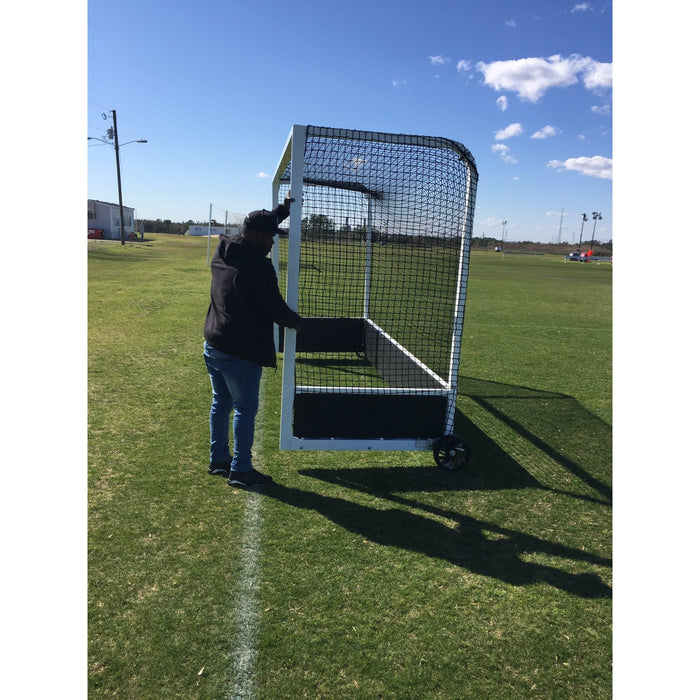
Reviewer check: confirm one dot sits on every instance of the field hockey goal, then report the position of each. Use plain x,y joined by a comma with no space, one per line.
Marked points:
376,263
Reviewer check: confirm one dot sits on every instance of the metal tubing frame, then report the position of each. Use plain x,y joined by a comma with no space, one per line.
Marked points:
460,301
294,151
368,254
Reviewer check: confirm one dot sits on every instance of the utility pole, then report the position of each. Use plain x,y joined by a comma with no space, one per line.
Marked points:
119,175
112,134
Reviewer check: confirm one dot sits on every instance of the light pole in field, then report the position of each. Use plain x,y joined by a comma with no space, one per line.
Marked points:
580,238
596,216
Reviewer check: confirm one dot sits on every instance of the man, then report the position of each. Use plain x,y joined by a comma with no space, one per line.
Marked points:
238,332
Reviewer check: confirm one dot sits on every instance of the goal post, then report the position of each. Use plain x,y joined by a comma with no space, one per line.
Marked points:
376,263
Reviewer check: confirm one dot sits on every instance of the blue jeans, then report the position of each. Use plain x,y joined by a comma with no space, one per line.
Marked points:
235,385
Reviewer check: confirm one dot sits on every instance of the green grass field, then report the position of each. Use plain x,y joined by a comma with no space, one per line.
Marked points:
357,575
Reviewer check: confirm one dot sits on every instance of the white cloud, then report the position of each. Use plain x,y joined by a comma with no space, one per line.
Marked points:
545,132
510,131
530,78
602,110
596,75
464,66
398,81
511,23
262,175
504,152
439,60
597,166
582,7
502,103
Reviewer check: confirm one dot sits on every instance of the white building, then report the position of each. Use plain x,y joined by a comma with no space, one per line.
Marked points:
103,220
203,230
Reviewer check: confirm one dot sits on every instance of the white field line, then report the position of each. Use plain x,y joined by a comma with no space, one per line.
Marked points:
245,646
607,329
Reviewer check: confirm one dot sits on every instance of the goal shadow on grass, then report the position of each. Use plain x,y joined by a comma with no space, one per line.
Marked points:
556,426
551,424
476,545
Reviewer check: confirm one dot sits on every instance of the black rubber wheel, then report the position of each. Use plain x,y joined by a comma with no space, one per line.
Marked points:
451,452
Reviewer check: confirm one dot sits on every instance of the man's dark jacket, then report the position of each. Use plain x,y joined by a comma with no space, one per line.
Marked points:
245,301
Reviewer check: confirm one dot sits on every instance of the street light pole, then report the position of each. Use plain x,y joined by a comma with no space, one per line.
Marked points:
580,238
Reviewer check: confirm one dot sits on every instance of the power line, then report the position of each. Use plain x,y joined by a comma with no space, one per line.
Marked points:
107,109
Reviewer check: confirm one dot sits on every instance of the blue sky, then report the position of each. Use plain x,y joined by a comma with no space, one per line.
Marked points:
215,87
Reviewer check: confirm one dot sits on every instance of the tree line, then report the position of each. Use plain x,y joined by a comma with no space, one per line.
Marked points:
320,227
165,226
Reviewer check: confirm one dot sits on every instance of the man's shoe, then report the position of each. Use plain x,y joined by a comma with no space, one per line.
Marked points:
220,468
250,478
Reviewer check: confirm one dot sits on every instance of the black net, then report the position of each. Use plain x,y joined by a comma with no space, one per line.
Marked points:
385,230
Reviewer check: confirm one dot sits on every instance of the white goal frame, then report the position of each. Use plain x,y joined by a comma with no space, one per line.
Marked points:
291,162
